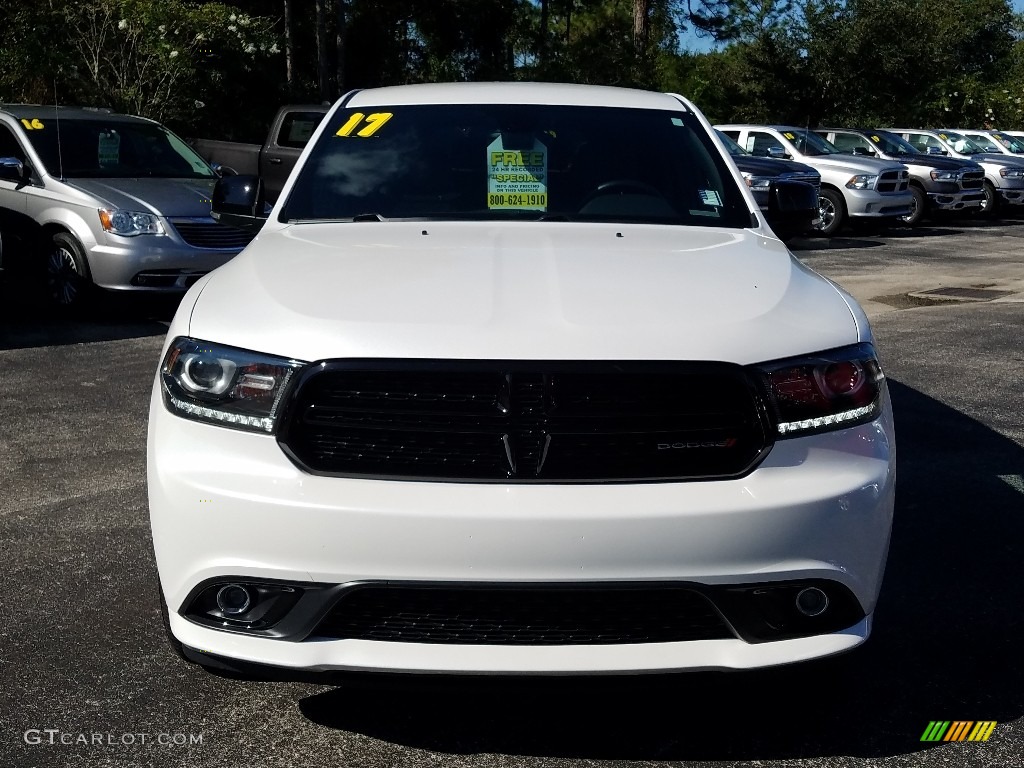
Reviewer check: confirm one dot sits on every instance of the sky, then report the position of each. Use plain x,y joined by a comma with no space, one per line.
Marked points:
690,41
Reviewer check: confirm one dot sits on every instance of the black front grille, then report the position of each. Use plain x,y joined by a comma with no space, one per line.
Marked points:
814,181
523,616
522,422
973,180
893,181
210,234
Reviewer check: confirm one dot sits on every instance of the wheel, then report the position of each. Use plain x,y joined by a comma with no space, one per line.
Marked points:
918,208
831,211
990,205
67,274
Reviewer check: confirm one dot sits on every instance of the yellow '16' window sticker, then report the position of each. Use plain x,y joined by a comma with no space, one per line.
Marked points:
32,125
789,135
367,125
517,178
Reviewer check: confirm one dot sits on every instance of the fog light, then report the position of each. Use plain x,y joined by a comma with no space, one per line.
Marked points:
810,602
233,599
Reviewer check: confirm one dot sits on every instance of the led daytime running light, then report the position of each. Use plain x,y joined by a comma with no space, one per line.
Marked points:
824,421
266,423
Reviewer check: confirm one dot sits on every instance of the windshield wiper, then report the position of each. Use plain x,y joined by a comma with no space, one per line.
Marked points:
368,217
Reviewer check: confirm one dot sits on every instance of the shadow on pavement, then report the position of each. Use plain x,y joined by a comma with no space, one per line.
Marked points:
28,320
946,646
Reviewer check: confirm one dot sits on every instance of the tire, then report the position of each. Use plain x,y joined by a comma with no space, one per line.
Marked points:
832,211
990,205
68,283
918,208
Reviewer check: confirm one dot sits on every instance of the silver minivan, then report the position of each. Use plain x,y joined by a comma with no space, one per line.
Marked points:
107,200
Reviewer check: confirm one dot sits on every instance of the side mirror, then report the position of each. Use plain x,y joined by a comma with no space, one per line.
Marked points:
223,170
792,208
935,151
240,201
12,169
863,151
778,153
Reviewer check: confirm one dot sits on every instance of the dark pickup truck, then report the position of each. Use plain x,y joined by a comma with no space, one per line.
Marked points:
274,160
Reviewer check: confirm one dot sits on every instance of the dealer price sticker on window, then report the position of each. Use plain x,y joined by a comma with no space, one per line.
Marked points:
517,178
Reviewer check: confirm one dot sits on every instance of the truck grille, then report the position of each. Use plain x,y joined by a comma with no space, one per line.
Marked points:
813,180
546,615
201,233
972,180
518,421
893,181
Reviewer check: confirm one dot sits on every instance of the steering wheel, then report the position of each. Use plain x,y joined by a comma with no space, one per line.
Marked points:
620,187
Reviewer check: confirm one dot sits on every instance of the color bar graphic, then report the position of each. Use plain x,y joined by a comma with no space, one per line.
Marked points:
958,730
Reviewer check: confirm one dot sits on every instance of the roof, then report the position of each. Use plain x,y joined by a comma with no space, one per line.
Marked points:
779,128
49,111
515,93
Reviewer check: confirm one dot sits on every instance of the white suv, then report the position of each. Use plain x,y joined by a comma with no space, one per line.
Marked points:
517,379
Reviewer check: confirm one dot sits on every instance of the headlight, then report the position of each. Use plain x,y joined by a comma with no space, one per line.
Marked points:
863,181
830,390
223,385
130,223
761,183
945,175
1011,173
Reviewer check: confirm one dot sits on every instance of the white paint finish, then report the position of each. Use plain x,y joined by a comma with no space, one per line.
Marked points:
818,506
364,655
542,290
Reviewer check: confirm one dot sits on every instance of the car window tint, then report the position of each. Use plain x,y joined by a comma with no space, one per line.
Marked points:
297,127
508,162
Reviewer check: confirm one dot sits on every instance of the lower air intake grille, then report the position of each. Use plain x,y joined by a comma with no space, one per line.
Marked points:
523,616
518,421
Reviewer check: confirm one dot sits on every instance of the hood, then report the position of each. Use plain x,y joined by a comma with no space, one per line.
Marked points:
770,166
524,291
164,197
998,157
938,162
854,163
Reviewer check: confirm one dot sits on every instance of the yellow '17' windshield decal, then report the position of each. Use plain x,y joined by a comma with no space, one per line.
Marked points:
373,123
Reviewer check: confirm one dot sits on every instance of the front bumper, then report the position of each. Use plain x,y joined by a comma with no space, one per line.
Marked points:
1012,196
955,201
871,204
152,263
227,503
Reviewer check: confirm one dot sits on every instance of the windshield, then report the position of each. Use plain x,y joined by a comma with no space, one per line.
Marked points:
734,149
115,149
810,144
985,142
506,162
891,144
1011,143
961,143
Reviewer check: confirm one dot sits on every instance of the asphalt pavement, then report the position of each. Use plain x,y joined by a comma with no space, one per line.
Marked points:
88,679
